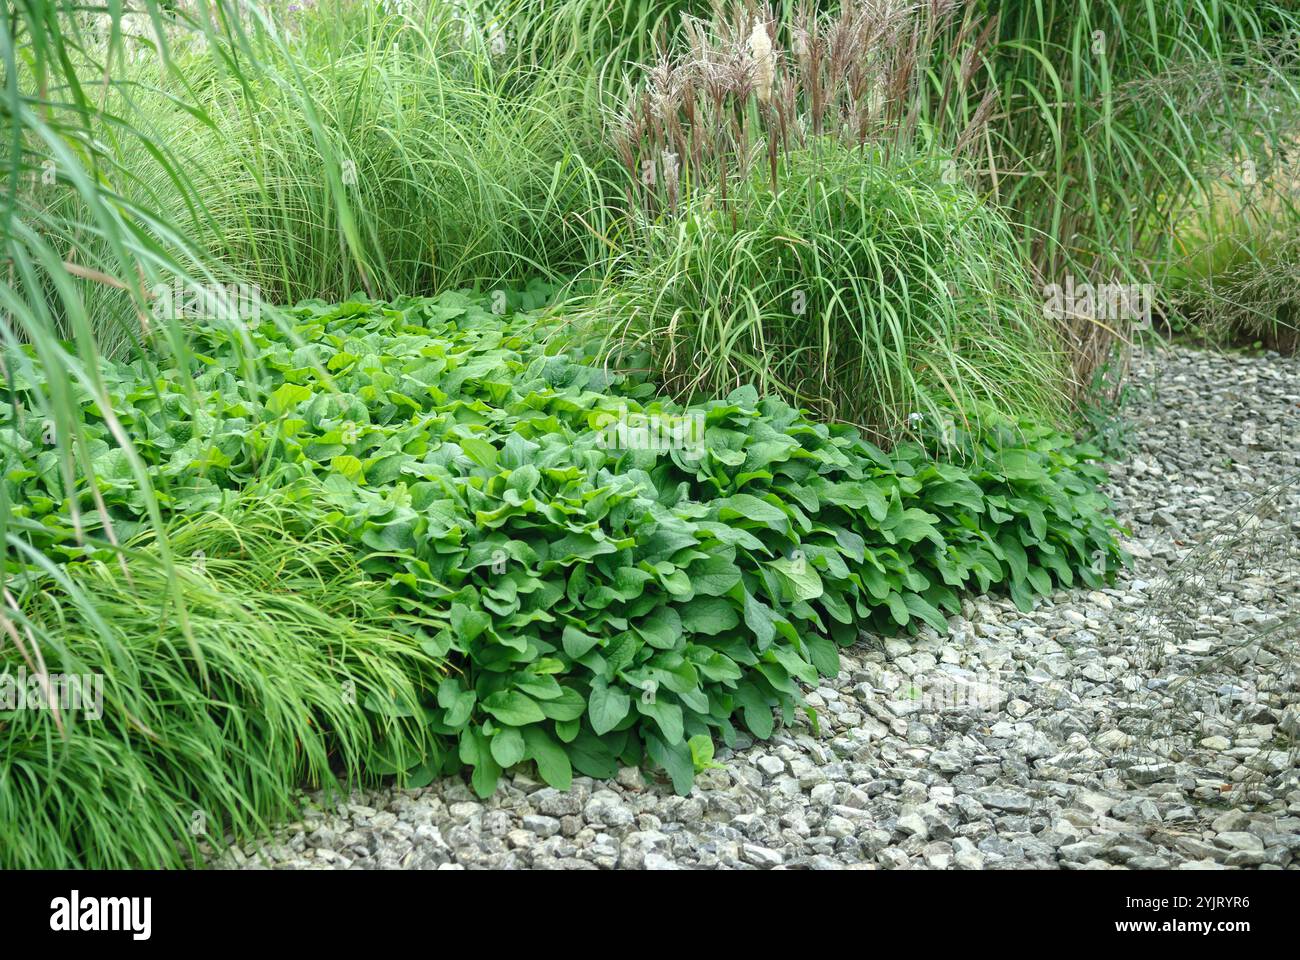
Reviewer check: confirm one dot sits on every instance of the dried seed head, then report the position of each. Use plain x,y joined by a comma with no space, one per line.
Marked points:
671,180
802,50
853,74
764,62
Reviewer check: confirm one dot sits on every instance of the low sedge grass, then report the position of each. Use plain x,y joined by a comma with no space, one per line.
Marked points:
296,640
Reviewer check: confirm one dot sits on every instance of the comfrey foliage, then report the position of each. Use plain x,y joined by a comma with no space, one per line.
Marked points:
595,602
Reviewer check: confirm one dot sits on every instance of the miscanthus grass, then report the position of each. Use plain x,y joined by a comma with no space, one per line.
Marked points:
861,287
796,221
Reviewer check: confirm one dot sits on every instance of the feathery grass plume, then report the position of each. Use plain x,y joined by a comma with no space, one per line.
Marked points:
731,95
764,62
1096,121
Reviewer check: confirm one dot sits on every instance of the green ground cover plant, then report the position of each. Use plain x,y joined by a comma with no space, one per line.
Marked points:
598,594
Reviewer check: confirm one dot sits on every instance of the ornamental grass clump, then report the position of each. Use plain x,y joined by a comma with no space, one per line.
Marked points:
863,288
282,669
790,227
333,149
732,97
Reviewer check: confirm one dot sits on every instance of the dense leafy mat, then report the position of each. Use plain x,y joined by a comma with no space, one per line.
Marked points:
594,604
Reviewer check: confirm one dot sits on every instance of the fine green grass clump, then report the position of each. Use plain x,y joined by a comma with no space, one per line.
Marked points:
201,721
1236,263
1111,117
609,577
860,287
798,222
335,149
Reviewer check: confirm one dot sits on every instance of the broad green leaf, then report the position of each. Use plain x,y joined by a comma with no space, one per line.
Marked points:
607,706
662,628
480,451
667,715
551,759
701,747
802,580
508,746
514,708
568,706
709,616
576,643
676,759
457,702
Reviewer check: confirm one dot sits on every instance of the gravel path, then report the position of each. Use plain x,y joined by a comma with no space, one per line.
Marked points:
1152,724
